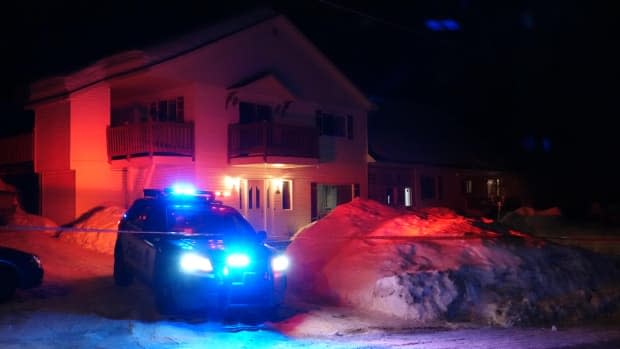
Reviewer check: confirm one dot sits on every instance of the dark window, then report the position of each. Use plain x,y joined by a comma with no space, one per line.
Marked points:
286,195
257,198
427,187
334,125
250,198
356,190
250,112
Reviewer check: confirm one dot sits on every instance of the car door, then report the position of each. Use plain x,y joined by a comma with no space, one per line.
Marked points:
139,244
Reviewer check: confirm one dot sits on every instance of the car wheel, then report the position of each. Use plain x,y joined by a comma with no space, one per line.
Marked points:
122,275
8,284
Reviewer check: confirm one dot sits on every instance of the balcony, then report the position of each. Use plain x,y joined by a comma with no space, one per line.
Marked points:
16,149
270,143
150,139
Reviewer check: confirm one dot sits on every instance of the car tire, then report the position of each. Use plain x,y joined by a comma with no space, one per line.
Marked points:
8,283
122,274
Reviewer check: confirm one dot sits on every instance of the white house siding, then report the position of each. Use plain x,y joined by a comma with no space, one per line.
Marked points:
96,184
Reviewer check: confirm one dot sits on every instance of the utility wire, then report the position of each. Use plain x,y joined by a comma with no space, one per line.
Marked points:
373,18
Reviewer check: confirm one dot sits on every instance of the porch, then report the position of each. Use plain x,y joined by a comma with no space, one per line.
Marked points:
150,139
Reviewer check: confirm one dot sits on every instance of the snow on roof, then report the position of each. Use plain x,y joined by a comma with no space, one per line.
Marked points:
434,265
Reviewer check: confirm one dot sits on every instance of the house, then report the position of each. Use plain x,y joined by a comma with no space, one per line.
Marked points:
247,108
471,191
426,159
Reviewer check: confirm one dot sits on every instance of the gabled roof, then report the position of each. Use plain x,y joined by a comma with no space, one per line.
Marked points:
134,61
263,82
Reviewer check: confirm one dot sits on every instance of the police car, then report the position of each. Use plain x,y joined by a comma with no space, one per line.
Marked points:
197,253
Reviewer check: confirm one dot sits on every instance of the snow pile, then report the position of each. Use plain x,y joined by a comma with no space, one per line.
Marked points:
434,265
12,214
104,218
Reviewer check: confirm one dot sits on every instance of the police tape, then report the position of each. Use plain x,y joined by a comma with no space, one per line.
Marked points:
467,236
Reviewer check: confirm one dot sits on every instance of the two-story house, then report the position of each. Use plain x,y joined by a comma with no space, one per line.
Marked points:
248,108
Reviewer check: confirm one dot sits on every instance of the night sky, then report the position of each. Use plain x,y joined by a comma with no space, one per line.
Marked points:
529,86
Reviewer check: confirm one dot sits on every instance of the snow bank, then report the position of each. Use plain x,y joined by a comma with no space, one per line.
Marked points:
12,214
434,265
105,218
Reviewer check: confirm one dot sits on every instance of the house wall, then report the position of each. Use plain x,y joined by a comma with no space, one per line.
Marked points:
95,182
344,163
52,160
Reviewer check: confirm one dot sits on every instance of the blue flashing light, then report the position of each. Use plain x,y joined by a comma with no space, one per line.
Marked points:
433,25
442,25
280,263
184,189
237,260
451,24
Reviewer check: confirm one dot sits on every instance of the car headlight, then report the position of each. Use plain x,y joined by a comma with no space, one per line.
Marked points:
192,262
237,260
280,263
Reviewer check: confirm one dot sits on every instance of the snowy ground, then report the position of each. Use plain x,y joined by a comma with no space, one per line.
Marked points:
344,291
78,306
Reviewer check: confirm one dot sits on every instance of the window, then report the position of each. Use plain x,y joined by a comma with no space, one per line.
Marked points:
468,186
408,198
493,188
427,187
334,125
251,112
170,110
287,195
389,196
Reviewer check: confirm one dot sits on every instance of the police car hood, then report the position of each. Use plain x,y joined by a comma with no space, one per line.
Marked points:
219,245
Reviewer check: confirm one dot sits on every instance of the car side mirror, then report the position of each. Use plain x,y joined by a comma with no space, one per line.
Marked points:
261,236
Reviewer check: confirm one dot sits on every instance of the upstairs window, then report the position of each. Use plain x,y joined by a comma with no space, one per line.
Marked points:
334,125
251,112
169,110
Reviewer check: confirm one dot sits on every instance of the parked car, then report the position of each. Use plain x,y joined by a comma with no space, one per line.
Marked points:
196,253
18,269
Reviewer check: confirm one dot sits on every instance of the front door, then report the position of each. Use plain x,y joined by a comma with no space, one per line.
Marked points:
255,203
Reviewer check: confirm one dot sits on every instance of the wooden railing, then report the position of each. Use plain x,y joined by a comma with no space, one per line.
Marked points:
150,138
16,149
270,139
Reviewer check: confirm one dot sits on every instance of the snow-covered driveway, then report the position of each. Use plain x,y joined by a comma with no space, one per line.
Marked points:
78,306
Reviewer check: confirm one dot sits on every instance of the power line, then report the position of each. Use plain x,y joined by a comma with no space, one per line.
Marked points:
373,18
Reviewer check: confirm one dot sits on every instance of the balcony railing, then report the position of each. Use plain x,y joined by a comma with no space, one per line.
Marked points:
150,138
270,139
16,149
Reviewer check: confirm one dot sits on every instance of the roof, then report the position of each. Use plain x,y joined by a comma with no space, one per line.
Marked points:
132,61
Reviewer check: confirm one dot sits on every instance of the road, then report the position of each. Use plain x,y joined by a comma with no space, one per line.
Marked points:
78,306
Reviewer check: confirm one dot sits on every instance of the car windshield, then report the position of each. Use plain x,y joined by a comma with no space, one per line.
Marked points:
206,219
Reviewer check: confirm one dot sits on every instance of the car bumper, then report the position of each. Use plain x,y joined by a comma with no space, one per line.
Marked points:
251,291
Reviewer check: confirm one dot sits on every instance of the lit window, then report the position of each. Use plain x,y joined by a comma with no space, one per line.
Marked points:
468,186
408,199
